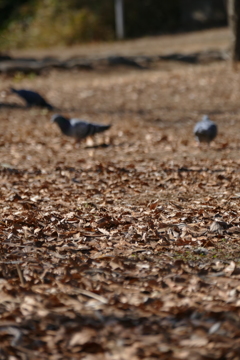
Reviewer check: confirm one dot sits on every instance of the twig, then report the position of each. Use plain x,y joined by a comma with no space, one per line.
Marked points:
20,274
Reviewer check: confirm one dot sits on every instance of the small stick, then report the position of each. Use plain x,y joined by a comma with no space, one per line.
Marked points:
20,274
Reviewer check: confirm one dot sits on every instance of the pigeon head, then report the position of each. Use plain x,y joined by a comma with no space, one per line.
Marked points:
62,122
57,118
205,118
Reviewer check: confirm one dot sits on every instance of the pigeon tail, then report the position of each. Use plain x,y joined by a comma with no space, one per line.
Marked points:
95,129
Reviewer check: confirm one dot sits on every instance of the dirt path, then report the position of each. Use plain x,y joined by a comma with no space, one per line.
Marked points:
111,252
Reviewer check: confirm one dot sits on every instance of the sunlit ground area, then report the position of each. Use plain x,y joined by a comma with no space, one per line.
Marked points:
108,247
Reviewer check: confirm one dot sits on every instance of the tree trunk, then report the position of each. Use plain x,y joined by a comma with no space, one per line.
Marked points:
119,19
234,23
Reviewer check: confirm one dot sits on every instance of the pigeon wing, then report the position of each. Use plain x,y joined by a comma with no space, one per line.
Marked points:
212,131
82,129
205,131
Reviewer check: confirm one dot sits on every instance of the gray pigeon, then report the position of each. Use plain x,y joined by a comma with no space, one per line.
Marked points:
205,130
79,129
32,98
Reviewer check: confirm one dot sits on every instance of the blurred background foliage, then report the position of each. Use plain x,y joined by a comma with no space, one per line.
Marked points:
43,23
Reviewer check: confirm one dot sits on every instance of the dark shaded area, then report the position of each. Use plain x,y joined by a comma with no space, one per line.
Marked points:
14,9
151,17
148,17
202,14
11,106
103,145
4,57
142,17
38,66
121,60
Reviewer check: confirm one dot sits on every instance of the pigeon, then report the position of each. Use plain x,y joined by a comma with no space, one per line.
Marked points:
32,98
79,129
205,130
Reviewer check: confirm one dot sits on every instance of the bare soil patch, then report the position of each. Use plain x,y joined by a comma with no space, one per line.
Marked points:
114,252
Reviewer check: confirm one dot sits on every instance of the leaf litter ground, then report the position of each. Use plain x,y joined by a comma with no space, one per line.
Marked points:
111,249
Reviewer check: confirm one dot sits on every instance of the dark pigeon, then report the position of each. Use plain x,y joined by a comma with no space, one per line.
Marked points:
79,129
205,130
32,98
